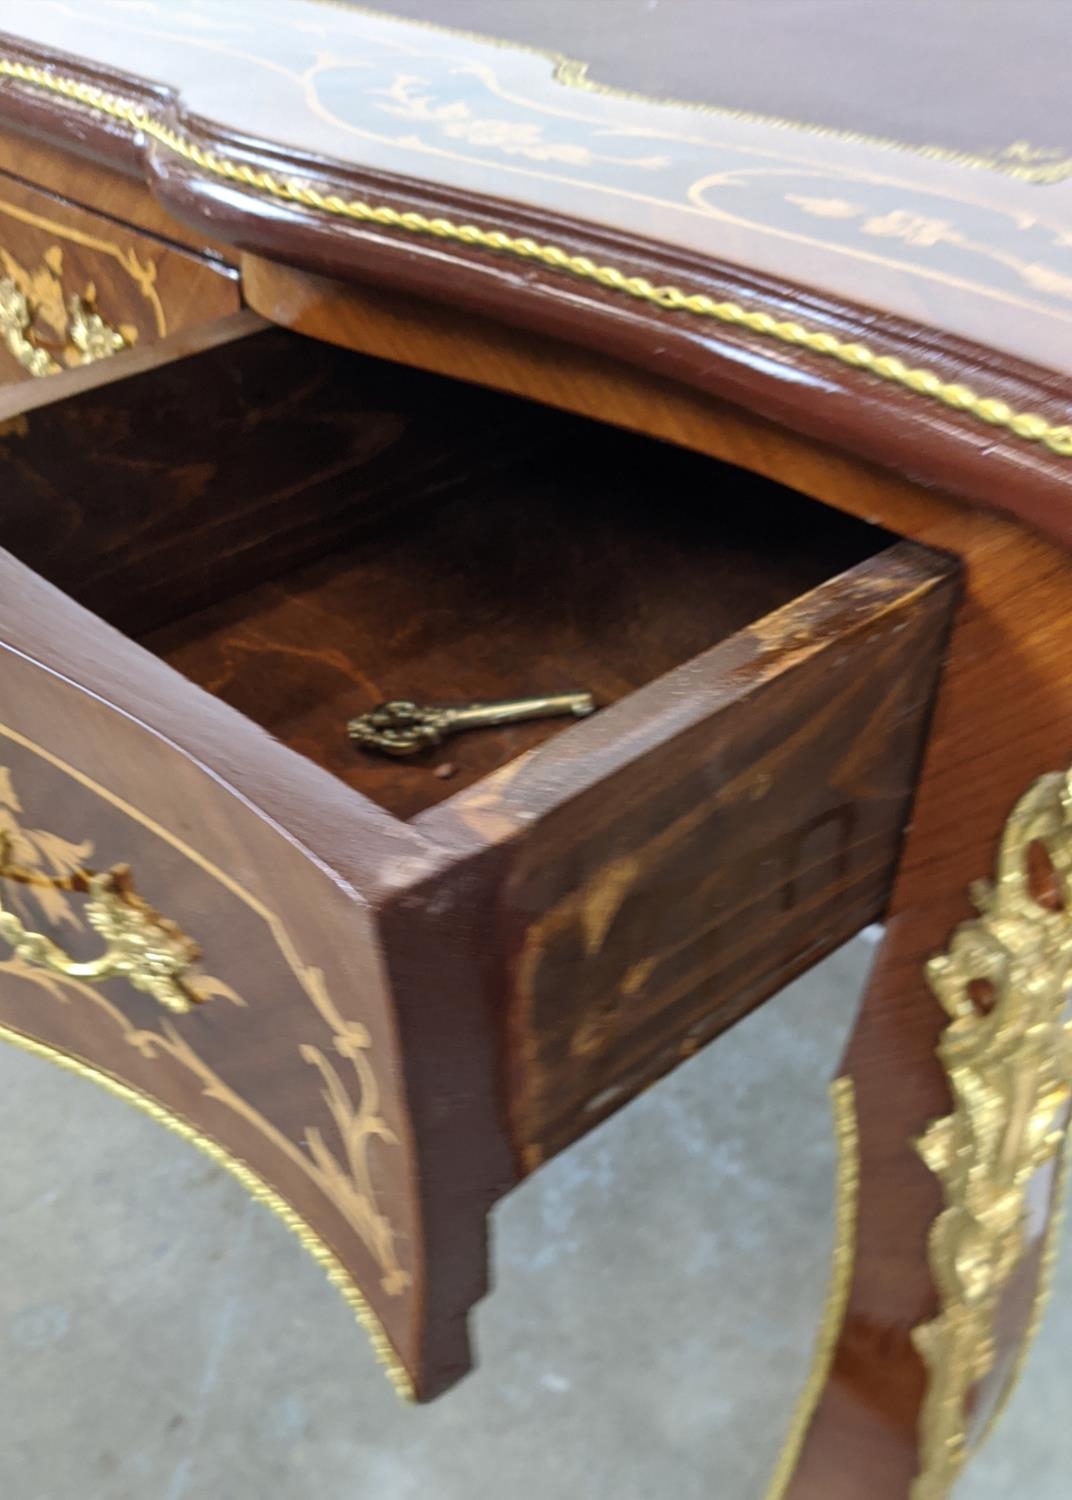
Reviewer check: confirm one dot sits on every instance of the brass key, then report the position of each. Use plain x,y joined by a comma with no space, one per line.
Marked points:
404,728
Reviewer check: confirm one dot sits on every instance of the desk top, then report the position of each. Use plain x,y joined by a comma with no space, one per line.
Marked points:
857,219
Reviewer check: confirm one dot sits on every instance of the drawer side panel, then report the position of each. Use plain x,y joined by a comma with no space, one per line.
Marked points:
681,857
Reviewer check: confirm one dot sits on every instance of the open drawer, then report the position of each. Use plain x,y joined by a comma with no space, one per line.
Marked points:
417,979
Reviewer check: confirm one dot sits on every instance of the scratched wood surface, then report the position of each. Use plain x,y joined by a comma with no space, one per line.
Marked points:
479,947
733,824
1001,720
357,136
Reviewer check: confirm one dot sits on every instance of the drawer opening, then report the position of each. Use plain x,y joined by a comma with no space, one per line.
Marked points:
307,532
599,561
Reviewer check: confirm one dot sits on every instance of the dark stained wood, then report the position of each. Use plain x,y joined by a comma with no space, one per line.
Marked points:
592,561
498,948
142,287
553,804
231,836
160,488
413,903
1002,716
1001,720
944,266
492,338
660,902
111,194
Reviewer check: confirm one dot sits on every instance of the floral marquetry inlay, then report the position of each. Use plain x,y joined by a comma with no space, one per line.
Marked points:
923,231
496,126
41,877
411,97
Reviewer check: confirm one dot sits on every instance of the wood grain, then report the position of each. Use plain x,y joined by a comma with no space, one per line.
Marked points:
672,392
1002,719
116,195
142,287
125,763
940,266
164,479
736,823
567,570
418,897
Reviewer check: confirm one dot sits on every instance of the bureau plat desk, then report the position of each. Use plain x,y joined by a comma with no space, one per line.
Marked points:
348,358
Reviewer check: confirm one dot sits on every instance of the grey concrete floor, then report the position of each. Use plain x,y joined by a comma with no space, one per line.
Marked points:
166,1339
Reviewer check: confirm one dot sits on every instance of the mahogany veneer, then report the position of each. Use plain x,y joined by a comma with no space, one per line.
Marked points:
829,640
764,669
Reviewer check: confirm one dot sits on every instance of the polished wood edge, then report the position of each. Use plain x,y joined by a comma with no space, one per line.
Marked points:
445,987
426,335
75,181
1007,445
502,806
840,407
898,603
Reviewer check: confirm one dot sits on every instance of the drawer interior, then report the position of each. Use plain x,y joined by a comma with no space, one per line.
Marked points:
307,532
598,561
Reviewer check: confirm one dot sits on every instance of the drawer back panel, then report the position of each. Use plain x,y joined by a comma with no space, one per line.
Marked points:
199,474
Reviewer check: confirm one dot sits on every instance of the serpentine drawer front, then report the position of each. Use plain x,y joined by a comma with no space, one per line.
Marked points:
379,989
76,287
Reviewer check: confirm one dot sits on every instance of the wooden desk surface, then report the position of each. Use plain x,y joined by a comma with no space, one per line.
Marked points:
842,262
890,274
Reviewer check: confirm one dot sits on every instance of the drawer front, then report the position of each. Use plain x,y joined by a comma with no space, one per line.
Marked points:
283,1064
76,287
